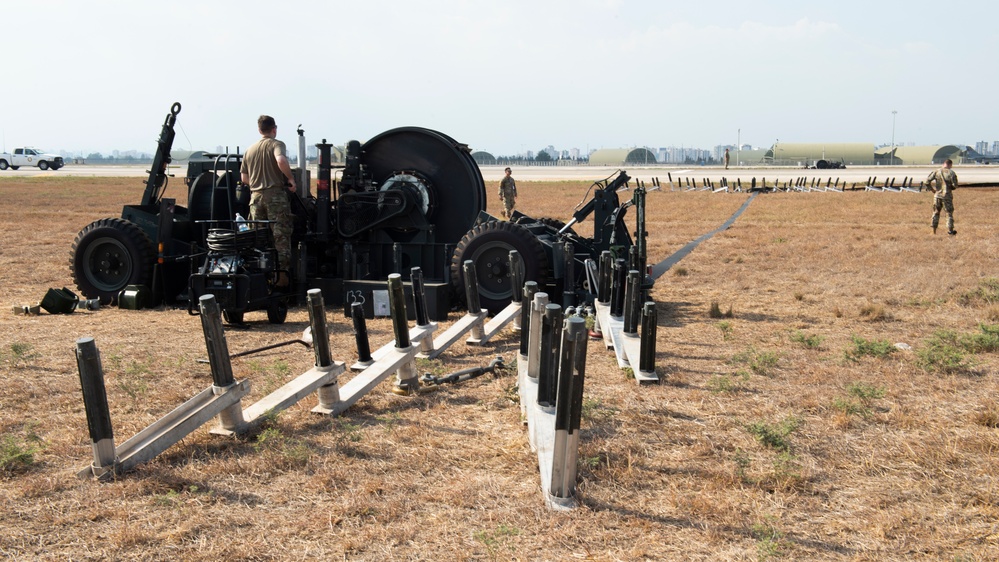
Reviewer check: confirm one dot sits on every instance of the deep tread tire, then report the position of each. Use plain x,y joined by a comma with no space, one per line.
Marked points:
555,223
4,165
14,167
277,313
43,165
108,255
488,245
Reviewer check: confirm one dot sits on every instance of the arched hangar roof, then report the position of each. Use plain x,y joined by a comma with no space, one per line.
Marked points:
923,154
619,156
483,158
807,153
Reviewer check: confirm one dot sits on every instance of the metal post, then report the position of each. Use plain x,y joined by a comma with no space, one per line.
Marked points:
604,289
218,358
360,333
329,394
563,405
647,353
406,377
534,342
397,308
95,402
530,289
419,296
617,288
320,332
323,194
218,349
516,272
631,300
472,296
569,271
576,414
471,287
551,336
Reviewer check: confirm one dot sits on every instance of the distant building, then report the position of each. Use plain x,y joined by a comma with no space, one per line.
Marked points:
621,156
921,155
808,153
483,158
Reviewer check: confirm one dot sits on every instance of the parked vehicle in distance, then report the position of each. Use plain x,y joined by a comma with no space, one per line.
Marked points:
27,156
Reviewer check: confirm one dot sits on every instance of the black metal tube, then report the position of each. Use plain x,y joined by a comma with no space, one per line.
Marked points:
569,269
323,190
516,273
647,353
551,336
471,287
604,277
577,327
530,289
563,399
320,332
360,332
95,397
631,300
419,296
617,288
397,308
218,349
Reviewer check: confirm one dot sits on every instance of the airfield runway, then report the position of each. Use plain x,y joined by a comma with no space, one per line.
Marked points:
972,174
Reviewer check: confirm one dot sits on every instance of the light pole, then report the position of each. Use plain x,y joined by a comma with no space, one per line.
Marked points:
738,147
893,112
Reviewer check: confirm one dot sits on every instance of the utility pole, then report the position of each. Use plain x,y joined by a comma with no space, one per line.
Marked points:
738,147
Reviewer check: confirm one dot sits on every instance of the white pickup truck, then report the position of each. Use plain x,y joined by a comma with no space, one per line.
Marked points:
30,157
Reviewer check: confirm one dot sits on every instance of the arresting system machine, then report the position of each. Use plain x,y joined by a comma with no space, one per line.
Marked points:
409,197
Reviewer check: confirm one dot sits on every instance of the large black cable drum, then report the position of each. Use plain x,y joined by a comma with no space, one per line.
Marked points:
458,191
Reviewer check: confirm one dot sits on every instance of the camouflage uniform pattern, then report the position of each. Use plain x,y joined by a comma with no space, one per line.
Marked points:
508,194
272,205
943,182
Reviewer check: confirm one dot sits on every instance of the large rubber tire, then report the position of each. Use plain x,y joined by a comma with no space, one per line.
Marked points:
43,165
108,255
14,167
4,165
488,246
277,313
555,223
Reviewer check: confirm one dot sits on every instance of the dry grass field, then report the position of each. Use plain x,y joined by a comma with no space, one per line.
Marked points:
789,425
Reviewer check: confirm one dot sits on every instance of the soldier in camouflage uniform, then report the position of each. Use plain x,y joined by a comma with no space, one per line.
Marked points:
942,183
508,193
266,170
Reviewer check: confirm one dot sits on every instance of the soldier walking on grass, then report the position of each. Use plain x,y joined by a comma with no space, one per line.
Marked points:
942,183
508,193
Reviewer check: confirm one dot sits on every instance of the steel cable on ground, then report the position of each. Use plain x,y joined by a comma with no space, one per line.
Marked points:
663,266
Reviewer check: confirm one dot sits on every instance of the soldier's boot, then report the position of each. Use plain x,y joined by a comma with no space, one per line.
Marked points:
934,230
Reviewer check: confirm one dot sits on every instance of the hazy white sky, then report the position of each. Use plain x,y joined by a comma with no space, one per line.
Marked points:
502,76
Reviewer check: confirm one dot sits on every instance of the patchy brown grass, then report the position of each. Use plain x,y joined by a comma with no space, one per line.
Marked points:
777,434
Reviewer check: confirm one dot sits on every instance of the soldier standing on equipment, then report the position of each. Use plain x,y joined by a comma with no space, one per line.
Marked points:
508,193
266,170
945,181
